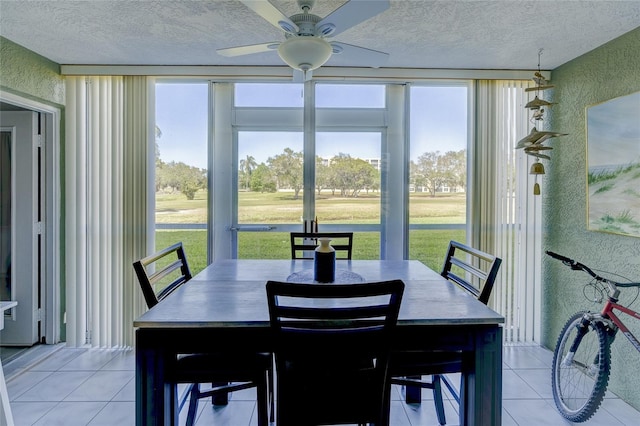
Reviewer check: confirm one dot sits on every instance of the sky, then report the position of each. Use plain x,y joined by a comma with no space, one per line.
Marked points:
613,132
438,121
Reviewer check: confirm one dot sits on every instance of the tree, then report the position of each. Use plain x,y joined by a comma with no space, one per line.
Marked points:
428,172
262,180
435,171
159,162
323,175
351,175
287,169
182,177
247,166
458,163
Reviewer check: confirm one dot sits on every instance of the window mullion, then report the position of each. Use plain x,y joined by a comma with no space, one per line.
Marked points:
309,166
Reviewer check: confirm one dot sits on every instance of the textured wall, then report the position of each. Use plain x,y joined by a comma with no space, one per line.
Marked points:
607,72
30,75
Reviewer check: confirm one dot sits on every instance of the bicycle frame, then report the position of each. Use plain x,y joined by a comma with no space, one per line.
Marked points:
608,313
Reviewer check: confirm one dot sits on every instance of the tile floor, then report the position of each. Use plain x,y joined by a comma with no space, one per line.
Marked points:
94,387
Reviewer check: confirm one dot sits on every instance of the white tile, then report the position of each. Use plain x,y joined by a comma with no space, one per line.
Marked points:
621,411
237,413
523,357
513,387
425,413
25,381
93,359
602,417
543,354
116,413
58,359
507,420
71,414
27,413
56,386
537,378
398,415
101,386
128,392
122,360
533,412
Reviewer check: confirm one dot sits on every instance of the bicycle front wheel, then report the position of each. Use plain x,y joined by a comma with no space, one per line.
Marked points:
580,371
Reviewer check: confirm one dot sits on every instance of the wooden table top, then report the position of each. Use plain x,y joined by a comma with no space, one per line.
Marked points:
231,293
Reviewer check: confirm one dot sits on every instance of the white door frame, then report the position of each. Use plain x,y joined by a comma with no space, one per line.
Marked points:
52,317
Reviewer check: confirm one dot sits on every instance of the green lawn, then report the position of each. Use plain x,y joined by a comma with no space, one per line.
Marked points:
428,246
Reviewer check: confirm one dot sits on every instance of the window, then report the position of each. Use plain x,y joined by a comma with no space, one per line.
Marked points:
181,169
271,175
344,155
350,96
438,171
269,95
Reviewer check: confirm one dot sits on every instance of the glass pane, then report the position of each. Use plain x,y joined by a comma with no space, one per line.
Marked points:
438,171
269,95
348,185
181,169
269,190
350,96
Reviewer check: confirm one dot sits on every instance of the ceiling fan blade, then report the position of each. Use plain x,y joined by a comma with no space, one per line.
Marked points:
249,49
356,55
272,14
352,13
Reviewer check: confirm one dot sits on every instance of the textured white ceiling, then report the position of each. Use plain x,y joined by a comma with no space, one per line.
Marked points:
416,34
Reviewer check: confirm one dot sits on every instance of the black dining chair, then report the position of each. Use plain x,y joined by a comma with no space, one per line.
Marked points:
304,243
331,346
159,275
475,271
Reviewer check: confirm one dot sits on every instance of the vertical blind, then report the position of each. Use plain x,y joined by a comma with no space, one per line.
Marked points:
507,220
105,228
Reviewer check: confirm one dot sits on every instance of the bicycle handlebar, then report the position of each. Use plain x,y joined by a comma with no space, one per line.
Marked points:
577,266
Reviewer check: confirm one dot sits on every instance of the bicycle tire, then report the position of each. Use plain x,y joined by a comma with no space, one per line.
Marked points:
579,384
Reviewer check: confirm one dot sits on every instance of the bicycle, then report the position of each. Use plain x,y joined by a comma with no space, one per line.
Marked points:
582,357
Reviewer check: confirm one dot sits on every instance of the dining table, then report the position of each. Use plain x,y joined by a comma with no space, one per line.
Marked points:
225,306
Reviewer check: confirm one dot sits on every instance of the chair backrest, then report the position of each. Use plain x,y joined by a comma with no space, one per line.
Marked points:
331,345
161,273
472,269
303,244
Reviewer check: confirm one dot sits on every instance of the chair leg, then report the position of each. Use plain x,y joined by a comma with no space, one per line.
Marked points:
452,390
193,404
262,394
437,399
220,398
272,403
413,394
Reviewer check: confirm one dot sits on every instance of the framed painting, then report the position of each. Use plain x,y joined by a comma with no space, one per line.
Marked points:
613,166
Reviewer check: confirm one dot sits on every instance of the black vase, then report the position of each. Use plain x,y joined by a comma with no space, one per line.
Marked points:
324,268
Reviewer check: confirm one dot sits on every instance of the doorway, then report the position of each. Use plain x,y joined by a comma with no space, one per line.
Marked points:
28,202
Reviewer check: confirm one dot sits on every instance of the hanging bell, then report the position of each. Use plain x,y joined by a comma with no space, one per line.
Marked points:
537,168
536,189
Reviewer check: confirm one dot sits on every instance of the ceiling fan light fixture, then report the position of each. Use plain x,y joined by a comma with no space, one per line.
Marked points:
326,29
305,53
287,27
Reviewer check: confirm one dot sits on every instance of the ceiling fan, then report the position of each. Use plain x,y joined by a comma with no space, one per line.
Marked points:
305,47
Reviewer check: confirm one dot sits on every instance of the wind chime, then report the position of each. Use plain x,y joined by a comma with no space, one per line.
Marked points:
533,142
